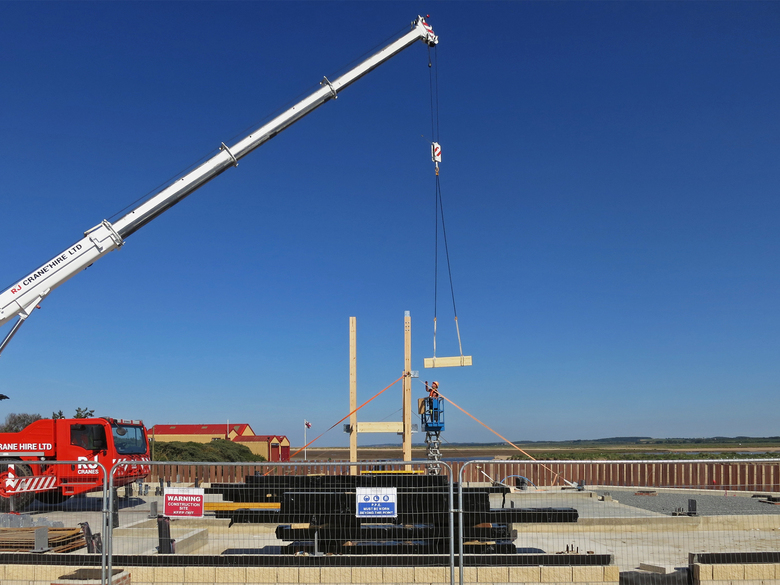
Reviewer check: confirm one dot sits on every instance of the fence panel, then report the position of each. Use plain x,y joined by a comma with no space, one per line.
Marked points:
294,522
619,517
54,509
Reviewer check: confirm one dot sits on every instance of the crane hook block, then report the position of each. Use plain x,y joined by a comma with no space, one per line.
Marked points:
436,152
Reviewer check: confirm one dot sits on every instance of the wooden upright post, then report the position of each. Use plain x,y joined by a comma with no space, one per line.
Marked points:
407,389
353,435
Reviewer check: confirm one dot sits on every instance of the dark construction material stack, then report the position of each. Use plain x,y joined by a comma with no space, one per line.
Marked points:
317,514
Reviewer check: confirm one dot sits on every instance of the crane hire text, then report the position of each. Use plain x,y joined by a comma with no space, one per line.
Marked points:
46,267
25,446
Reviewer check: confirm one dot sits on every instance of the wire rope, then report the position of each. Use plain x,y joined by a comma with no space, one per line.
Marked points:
433,83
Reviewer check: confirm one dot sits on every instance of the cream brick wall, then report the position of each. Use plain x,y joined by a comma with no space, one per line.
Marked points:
335,575
469,574
587,574
702,572
398,574
287,575
142,575
197,575
366,575
18,573
168,575
431,574
44,575
728,572
259,575
760,572
492,574
556,574
308,574
744,574
229,575
525,574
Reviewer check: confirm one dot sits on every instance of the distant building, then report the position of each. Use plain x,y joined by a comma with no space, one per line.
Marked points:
272,447
200,433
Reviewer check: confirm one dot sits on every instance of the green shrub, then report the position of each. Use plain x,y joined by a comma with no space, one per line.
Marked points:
216,451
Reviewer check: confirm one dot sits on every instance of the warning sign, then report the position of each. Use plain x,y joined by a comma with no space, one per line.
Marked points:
376,502
184,502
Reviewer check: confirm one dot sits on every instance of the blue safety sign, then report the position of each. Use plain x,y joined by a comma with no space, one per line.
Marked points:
376,502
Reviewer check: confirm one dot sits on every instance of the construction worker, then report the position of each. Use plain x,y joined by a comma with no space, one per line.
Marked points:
433,391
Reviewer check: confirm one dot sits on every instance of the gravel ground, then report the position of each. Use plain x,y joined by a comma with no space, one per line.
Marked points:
717,504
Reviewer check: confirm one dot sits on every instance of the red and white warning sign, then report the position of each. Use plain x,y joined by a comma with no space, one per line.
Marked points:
184,502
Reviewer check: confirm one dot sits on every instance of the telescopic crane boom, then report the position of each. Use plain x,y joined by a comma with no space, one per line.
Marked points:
24,296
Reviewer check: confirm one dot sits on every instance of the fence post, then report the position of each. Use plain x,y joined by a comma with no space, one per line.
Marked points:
452,526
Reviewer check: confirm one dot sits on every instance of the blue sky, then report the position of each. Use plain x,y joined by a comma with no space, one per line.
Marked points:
610,183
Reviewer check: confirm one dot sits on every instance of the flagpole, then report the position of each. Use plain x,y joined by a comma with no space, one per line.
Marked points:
304,440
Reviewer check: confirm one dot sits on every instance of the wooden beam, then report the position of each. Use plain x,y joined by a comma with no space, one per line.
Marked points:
215,506
380,427
353,394
447,362
406,401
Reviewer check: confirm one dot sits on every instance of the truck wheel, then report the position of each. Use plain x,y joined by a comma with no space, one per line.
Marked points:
52,497
20,501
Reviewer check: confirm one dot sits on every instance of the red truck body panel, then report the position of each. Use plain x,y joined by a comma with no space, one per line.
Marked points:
45,442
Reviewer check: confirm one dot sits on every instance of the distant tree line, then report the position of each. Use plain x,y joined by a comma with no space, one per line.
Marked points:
16,422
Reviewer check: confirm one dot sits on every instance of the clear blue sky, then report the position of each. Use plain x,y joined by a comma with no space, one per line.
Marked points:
610,182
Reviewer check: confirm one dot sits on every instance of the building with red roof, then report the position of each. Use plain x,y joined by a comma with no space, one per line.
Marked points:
272,447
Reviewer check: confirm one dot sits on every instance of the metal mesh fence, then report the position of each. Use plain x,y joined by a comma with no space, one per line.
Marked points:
633,522
316,520
48,512
643,518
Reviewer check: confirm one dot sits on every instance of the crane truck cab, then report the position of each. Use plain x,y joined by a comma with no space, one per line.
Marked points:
28,459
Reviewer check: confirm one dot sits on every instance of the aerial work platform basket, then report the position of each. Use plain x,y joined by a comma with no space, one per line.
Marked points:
431,411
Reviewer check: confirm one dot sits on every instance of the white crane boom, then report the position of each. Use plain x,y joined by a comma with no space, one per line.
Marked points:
23,297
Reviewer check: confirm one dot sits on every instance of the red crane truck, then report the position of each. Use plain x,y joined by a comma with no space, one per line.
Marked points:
46,441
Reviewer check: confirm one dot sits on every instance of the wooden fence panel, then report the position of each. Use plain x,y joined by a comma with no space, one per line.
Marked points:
756,476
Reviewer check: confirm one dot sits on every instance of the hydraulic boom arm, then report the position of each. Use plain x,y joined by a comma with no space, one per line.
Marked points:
22,298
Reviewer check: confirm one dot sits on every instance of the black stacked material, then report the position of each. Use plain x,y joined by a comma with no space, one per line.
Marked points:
360,532
520,515
318,514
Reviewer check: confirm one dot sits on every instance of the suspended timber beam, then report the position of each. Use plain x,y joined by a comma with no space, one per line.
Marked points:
447,362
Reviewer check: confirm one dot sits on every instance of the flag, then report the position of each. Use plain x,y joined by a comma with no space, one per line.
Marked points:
307,424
